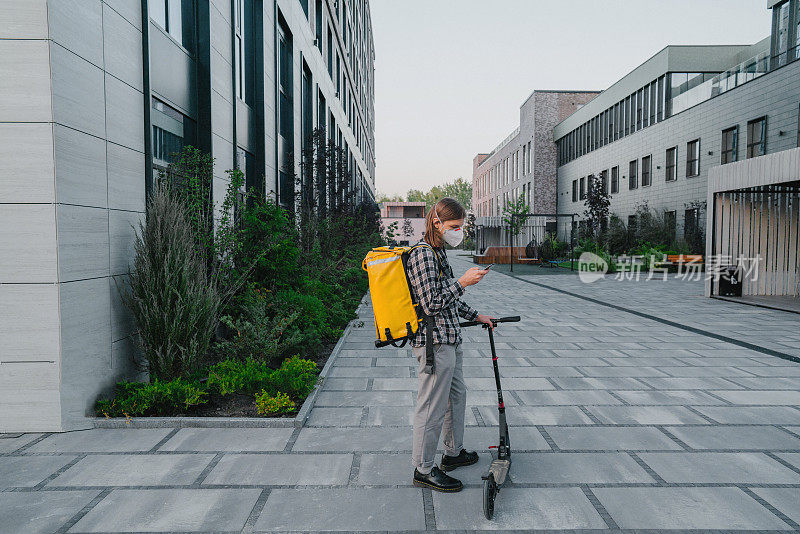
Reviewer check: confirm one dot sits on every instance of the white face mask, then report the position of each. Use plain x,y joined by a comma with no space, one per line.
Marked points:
453,237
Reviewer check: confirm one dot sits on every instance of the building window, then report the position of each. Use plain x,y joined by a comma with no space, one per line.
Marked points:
653,103
639,106
632,224
285,116
304,3
633,180
691,222
574,190
583,188
693,158
604,180
757,137
244,51
672,160
646,171
318,18
780,34
169,14
669,222
614,180
660,97
728,149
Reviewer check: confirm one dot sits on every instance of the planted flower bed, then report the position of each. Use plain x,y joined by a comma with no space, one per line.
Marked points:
237,315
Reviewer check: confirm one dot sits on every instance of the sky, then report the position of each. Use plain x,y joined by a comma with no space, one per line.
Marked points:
450,75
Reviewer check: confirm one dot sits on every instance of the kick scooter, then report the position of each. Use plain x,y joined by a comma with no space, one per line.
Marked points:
501,457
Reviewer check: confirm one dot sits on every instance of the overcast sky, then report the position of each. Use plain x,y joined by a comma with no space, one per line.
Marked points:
451,74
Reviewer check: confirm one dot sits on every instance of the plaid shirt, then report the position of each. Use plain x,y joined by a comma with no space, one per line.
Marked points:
431,280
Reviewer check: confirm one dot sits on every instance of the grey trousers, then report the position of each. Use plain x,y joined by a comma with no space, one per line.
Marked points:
441,401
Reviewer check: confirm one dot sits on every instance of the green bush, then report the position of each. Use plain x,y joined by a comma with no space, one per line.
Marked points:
266,404
156,399
232,376
169,294
296,376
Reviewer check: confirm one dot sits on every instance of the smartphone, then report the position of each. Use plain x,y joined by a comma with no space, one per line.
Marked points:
488,267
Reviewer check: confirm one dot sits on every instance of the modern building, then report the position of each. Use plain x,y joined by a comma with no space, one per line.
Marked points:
654,135
523,164
409,219
94,97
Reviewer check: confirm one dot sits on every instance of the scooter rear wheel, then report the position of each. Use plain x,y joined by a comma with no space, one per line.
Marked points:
489,493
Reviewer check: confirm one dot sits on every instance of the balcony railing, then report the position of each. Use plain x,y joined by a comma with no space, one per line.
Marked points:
725,81
507,140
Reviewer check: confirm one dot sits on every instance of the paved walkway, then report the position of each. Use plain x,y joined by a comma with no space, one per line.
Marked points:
618,421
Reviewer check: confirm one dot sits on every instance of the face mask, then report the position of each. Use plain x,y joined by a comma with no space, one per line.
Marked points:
453,237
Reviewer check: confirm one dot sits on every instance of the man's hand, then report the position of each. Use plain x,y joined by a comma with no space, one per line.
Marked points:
472,276
486,319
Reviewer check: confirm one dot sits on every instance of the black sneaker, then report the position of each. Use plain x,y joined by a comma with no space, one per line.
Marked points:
464,458
437,480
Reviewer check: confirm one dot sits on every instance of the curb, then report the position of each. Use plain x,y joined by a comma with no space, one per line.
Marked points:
236,422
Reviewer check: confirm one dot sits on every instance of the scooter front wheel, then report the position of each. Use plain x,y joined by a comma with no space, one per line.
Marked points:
489,493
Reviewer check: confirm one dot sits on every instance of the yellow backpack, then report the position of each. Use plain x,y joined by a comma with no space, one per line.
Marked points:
397,315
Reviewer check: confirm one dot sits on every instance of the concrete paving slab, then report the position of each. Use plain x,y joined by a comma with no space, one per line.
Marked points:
695,372
522,438
518,509
665,398
489,398
784,397
752,415
364,398
348,416
611,438
169,510
390,416
537,415
719,467
686,508
282,469
629,372
344,384
600,383
646,415
786,500
368,372
228,439
27,471
691,383
735,437
515,384
134,470
9,444
354,439
41,512
573,398
102,440
524,372
791,457
578,468
765,383
349,509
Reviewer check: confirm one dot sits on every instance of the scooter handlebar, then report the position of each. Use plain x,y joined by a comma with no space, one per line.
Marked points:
513,319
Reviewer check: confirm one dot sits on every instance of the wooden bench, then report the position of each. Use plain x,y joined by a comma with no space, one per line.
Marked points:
684,258
502,256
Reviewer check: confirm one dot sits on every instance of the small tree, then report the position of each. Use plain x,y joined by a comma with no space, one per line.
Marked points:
597,203
391,231
515,213
408,227
469,231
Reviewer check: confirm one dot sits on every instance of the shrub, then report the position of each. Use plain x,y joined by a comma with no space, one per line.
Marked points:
258,333
232,376
617,237
175,306
157,398
296,375
266,404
